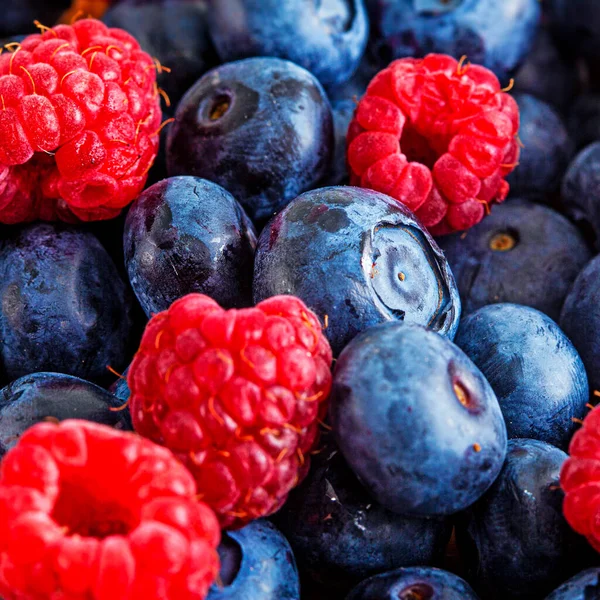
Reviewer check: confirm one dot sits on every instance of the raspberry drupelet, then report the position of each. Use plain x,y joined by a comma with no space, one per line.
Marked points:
237,395
438,135
79,122
580,480
91,513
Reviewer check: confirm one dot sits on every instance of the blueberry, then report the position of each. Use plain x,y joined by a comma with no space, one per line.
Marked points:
327,37
495,34
537,374
547,150
583,121
356,86
262,128
515,540
547,74
416,420
342,536
343,111
416,583
257,563
18,15
523,253
184,235
357,258
584,586
50,396
176,33
576,23
580,319
580,189
63,306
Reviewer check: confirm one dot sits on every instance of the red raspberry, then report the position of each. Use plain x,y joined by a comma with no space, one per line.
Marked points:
580,480
437,136
91,513
79,120
237,395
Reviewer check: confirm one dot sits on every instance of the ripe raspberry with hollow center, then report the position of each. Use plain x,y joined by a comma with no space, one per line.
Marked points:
237,395
580,480
79,122
89,512
437,135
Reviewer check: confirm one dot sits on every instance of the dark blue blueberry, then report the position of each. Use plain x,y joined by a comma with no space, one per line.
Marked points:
523,253
120,388
580,319
261,127
585,586
416,583
54,396
416,420
327,37
583,120
176,33
341,536
343,112
580,189
495,34
184,235
356,86
257,563
547,74
359,258
547,150
576,24
537,374
515,541
18,15
63,306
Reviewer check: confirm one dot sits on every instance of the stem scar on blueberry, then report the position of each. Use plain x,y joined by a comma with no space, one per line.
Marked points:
463,395
503,242
418,591
219,107
401,276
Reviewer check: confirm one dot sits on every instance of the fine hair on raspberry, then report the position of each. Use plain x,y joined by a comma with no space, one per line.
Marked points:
438,135
90,512
237,395
79,122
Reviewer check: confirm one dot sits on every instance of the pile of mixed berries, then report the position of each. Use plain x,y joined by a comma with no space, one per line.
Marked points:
300,300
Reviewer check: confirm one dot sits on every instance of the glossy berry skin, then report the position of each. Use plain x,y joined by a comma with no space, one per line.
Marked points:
437,135
71,527
49,396
546,153
174,32
326,38
547,74
237,395
537,374
580,185
497,35
257,563
358,257
18,16
522,253
341,536
262,128
64,307
120,388
416,420
580,319
79,130
583,586
413,583
184,235
515,540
